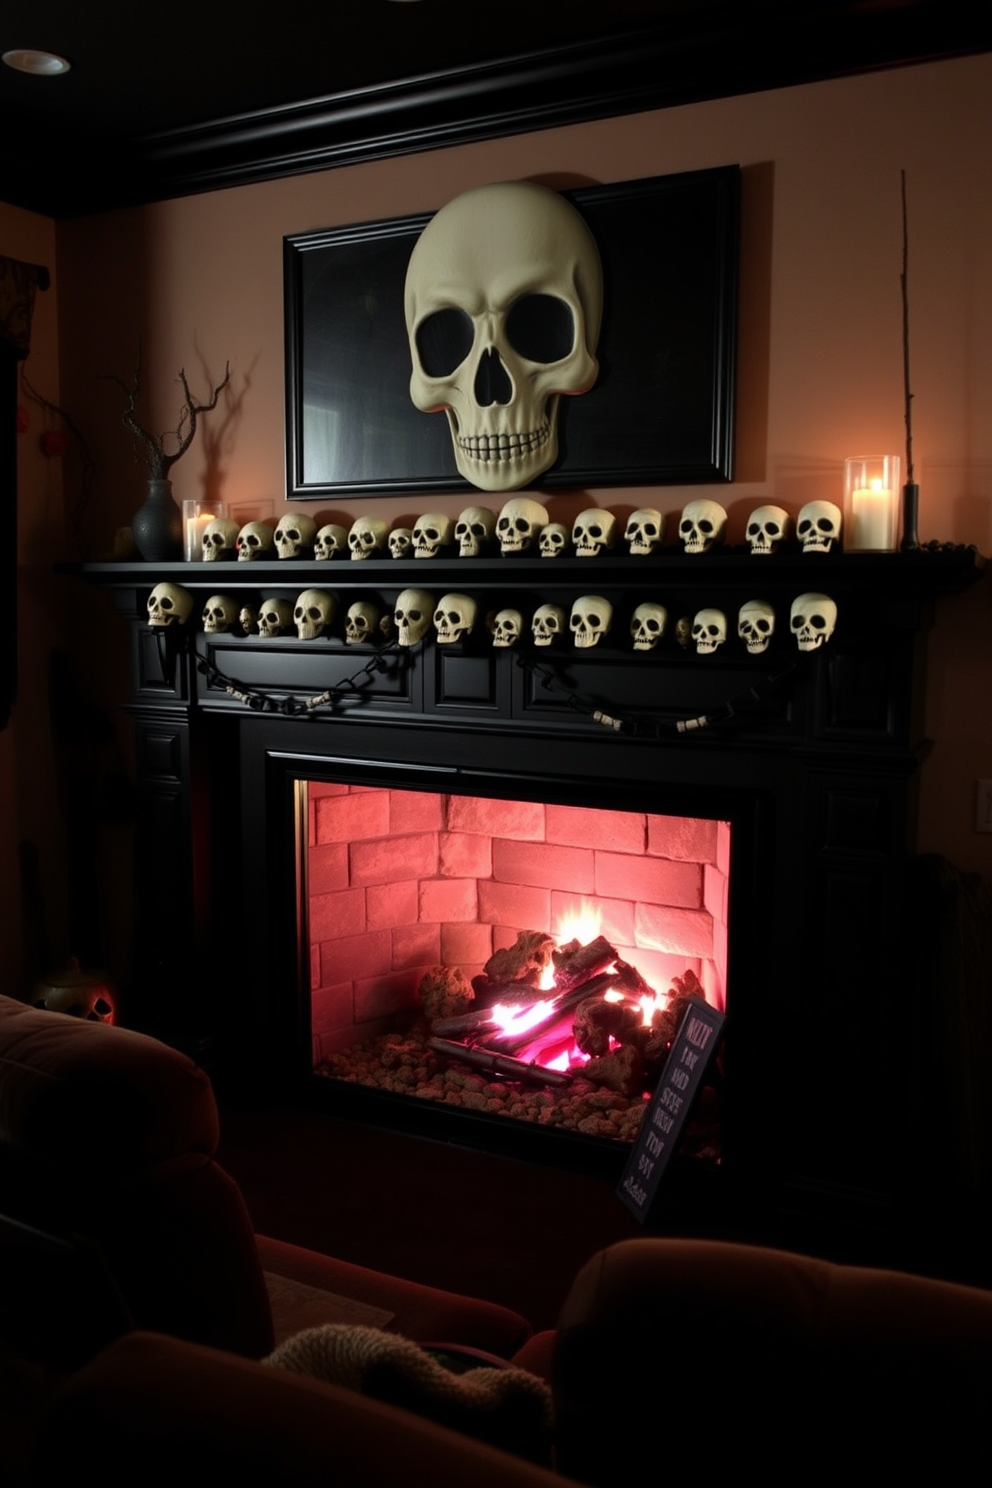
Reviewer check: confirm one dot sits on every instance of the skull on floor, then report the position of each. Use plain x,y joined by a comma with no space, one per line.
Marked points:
412,614
590,619
819,527
474,531
507,628
594,532
295,535
220,614
709,631
432,532
548,624
331,542
812,619
169,604
647,625
645,531
367,537
703,526
756,625
219,540
454,617
314,613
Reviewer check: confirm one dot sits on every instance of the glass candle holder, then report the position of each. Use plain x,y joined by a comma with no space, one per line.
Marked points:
871,504
197,516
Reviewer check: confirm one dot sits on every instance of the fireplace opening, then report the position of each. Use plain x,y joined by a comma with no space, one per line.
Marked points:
511,959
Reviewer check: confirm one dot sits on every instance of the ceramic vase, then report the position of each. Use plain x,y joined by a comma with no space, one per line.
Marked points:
157,526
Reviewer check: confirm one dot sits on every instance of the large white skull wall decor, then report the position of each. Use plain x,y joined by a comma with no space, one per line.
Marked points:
548,624
220,614
503,301
591,617
554,539
709,631
594,532
169,604
361,623
314,613
275,618
645,531
331,542
295,535
702,526
812,618
400,542
520,525
367,537
819,527
647,625
507,627
756,625
767,528
474,531
454,617
412,614
220,539
432,532
254,542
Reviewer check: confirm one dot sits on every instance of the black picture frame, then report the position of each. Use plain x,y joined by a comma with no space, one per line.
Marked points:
662,410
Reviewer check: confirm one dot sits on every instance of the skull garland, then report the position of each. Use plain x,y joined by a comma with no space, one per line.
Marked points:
647,625
219,540
295,535
520,525
645,531
591,618
594,532
412,614
254,542
503,300
709,631
767,528
275,618
548,624
432,532
819,527
169,604
331,542
756,625
554,540
314,613
367,538
703,526
220,614
474,531
812,619
362,623
400,542
507,628
454,617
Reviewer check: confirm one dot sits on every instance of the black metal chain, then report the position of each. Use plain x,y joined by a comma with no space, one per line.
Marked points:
292,706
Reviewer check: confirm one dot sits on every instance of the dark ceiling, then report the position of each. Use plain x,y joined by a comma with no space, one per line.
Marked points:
164,99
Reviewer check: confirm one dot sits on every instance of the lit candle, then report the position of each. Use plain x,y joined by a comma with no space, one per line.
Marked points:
873,511
196,526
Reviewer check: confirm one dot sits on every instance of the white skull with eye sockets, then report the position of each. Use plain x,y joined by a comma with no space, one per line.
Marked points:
220,614
254,542
812,619
295,535
520,524
702,526
590,619
647,625
756,625
593,532
361,623
554,540
819,527
508,627
645,531
367,537
548,624
400,542
220,540
331,542
431,532
412,615
503,302
169,604
767,527
709,631
314,613
275,618
474,531
454,617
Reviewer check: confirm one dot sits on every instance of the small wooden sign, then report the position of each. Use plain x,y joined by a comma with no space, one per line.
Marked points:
668,1109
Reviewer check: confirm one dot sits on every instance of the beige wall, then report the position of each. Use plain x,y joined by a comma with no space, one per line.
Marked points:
200,279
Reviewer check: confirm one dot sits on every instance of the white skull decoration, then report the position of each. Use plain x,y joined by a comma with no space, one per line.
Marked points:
709,631
593,533
400,542
474,530
432,532
254,542
220,614
314,613
767,527
812,618
219,540
554,540
295,534
454,617
331,542
520,524
503,299
756,625
819,527
507,628
647,625
367,537
362,622
169,604
591,618
275,618
412,615
645,531
702,526
548,624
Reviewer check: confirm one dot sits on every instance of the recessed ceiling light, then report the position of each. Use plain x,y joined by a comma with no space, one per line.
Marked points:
41,64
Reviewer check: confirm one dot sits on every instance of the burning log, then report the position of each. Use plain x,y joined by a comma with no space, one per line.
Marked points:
500,1064
597,1022
559,1016
467,1025
575,964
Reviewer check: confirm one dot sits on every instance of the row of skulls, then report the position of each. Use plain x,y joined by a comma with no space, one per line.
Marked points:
812,619
522,526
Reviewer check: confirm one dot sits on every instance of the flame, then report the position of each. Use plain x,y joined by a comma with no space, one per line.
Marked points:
583,924
519,1019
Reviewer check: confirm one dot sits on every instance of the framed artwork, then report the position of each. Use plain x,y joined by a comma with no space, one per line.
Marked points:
660,412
